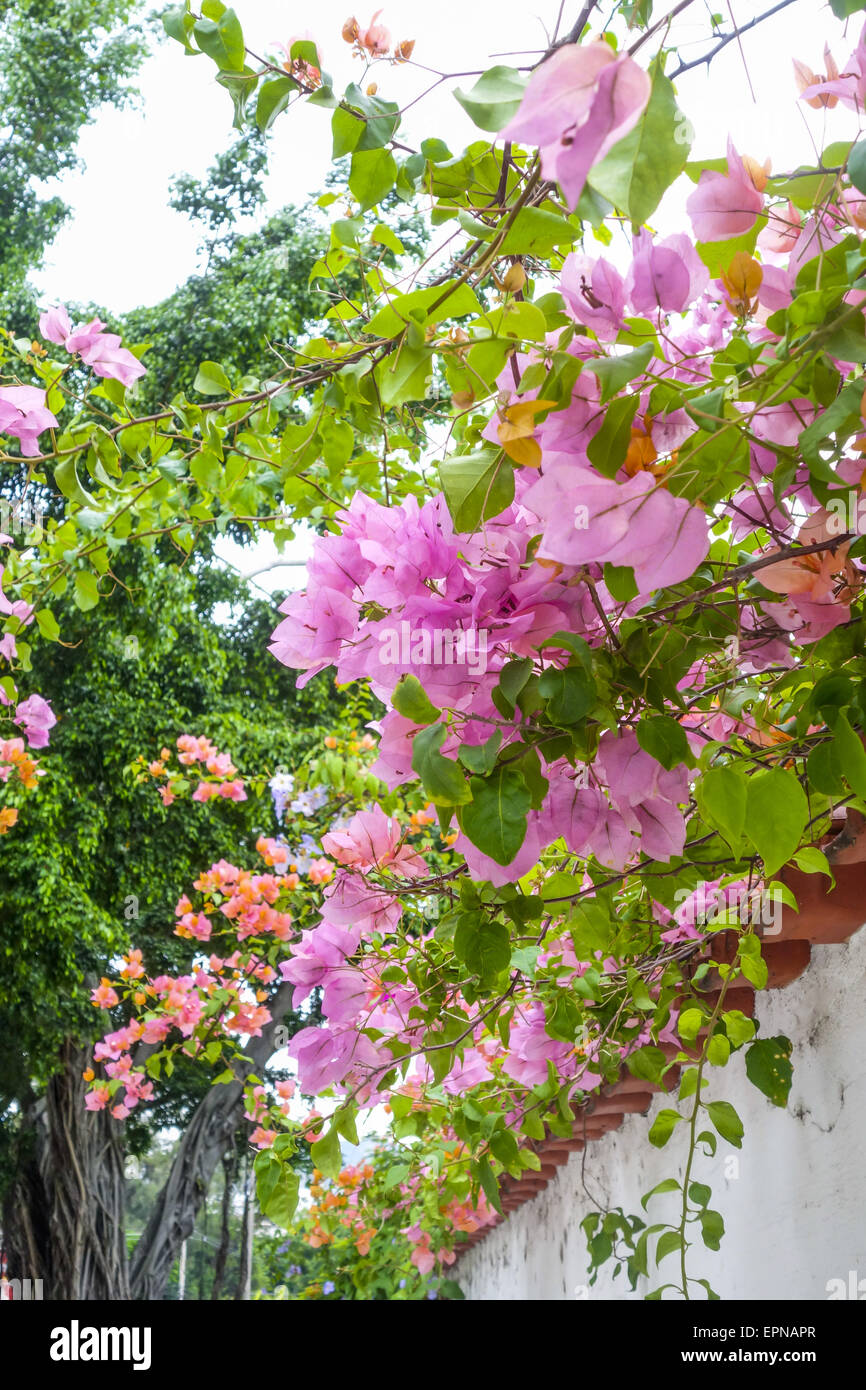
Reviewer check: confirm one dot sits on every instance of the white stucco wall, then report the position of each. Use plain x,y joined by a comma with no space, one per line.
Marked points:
795,1213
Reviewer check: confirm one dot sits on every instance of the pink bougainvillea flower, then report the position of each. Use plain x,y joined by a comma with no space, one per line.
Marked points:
373,840
726,205
594,294
104,996
109,359
782,230
98,350
578,104
587,517
667,275
24,415
825,89
55,325
36,717
375,38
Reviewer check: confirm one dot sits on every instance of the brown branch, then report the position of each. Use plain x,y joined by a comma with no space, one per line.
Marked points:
738,31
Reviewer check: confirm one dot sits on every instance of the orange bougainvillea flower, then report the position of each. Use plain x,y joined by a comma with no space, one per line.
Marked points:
806,78
8,817
758,173
741,281
820,576
516,428
642,455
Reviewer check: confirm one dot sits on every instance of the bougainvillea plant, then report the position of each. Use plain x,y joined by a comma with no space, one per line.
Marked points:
589,501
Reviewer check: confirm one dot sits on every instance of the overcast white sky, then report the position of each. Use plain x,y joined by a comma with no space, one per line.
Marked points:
124,246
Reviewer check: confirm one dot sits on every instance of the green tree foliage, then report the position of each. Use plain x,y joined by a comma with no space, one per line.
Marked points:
101,858
60,61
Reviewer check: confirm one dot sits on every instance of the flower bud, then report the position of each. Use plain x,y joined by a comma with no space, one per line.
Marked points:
372,89
514,278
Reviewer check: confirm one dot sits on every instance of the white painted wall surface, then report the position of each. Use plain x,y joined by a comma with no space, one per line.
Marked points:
795,1217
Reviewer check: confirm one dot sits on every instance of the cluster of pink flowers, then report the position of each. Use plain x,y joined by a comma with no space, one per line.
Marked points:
218,774
24,415
98,350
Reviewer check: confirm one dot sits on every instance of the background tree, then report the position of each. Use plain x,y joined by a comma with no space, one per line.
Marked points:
172,650
60,61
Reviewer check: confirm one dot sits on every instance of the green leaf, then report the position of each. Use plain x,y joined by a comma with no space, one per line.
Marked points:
372,175
47,624
397,1173
67,480
178,23
442,778
411,700
86,590
707,411
824,768
211,380
384,236
717,255
489,1185
718,1050
663,1127
699,1194
842,415
648,1063
712,1228
640,168
453,300
768,1066
223,41
726,1121
277,1188
811,860
668,1243
738,1027
752,963
481,757
477,486
495,97
690,1023
405,375
570,693
326,1153
273,98
843,8
240,87
620,581
668,1185
665,740
535,232
495,819
484,947
721,796
776,816
852,754
615,372
609,445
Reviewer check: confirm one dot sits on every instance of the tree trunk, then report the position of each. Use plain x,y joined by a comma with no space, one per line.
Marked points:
64,1220
203,1144
229,1168
245,1273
